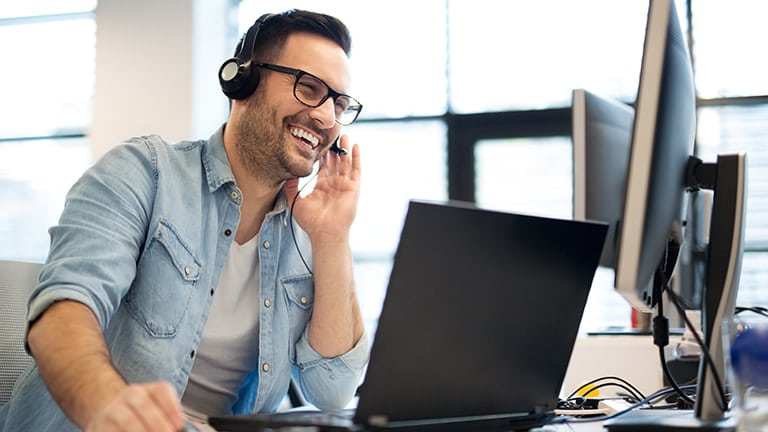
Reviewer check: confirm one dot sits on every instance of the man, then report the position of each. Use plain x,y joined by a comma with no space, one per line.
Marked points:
192,276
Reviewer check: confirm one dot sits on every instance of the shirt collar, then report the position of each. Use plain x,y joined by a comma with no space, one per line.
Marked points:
218,171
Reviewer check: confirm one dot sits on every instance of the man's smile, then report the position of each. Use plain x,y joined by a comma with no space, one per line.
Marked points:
306,136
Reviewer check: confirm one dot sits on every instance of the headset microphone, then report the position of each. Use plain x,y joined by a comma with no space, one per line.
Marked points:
336,149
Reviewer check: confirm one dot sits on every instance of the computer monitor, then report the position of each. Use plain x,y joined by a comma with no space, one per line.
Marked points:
601,134
662,141
660,169
601,138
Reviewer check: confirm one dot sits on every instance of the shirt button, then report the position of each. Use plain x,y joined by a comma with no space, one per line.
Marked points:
265,367
266,244
192,354
212,291
186,271
234,194
227,232
267,303
303,300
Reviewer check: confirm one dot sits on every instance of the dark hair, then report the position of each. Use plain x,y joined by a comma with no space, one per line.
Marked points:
275,30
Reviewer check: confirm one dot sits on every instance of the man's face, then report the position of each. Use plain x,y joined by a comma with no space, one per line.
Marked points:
278,135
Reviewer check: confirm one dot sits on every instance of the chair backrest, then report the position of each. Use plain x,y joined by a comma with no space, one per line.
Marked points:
17,279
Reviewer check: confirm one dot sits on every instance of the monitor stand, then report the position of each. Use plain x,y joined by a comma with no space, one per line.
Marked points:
727,177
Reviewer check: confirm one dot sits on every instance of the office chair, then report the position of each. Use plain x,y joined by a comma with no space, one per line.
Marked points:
17,279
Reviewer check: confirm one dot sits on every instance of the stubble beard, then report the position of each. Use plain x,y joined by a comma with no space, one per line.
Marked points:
263,148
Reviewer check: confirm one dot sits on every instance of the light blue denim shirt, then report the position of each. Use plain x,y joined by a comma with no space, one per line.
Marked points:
142,241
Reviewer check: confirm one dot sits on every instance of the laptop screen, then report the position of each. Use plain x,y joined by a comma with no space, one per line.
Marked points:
466,327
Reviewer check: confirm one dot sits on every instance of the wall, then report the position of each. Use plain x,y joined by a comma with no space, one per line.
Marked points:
156,66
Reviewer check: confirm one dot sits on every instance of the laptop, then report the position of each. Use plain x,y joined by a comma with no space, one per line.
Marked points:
466,338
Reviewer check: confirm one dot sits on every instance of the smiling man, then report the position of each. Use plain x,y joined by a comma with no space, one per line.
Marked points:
190,279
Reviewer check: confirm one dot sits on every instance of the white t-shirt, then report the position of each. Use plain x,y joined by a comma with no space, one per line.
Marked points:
229,346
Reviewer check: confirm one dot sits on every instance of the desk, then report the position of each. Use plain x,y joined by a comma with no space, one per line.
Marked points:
575,427
595,426
667,418
632,357
571,427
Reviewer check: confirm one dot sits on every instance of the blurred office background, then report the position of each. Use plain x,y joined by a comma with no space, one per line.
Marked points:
463,99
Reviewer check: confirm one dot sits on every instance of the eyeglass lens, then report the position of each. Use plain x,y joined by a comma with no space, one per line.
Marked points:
311,91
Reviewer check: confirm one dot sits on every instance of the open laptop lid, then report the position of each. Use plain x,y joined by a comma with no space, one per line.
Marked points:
481,314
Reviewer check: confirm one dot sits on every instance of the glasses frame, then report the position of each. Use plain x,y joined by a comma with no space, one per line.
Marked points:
355,105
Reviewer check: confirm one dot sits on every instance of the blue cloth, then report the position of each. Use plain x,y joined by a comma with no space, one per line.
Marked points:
142,241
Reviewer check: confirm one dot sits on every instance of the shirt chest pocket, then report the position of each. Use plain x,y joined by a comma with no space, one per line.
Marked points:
299,292
166,277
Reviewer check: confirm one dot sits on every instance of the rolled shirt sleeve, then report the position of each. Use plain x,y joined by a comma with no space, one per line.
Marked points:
330,383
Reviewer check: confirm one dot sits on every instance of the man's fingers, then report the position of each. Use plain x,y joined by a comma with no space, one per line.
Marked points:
166,398
142,407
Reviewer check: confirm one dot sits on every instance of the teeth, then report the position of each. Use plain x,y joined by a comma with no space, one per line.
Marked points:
301,133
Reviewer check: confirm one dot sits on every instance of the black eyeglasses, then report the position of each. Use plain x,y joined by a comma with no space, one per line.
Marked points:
313,92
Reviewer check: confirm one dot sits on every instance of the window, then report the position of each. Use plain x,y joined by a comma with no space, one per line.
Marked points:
530,54
389,46
484,88
506,180
725,129
402,161
727,40
47,84
733,116
35,176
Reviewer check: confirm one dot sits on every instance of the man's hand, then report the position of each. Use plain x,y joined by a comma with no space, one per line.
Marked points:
146,407
331,207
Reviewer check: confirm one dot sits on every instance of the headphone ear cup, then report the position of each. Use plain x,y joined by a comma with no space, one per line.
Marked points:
237,76
238,80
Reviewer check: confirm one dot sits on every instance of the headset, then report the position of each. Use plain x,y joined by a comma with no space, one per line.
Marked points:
239,79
